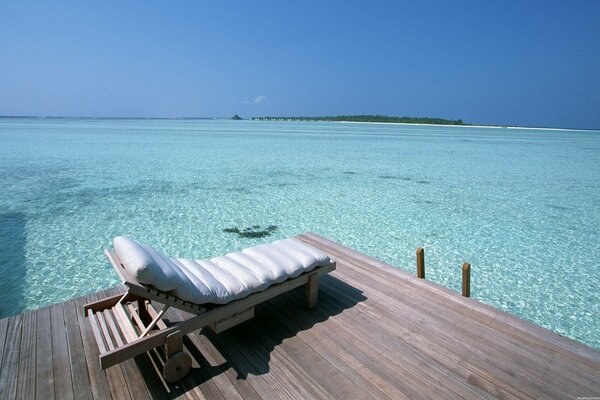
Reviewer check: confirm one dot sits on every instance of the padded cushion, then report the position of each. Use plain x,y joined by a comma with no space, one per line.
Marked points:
221,279
140,263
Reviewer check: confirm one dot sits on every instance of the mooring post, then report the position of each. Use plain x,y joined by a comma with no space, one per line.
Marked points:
420,263
466,280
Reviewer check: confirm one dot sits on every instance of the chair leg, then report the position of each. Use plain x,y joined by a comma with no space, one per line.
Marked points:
312,291
178,362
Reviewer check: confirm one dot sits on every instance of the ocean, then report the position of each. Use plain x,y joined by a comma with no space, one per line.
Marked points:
521,205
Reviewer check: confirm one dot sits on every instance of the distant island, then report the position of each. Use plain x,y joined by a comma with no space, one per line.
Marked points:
236,118
369,118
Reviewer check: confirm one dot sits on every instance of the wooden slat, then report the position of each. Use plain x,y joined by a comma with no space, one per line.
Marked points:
44,382
574,349
136,385
453,311
153,314
454,323
27,358
63,386
116,334
104,331
442,333
138,321
3,330
117,382
99,384
95,325
10,358
125,323
79,369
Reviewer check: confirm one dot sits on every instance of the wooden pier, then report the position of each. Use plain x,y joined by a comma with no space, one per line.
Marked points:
377,332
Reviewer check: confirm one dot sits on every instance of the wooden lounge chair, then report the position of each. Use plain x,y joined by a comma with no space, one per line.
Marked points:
128,325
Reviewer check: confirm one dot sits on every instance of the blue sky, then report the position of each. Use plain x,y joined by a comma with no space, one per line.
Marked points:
522,63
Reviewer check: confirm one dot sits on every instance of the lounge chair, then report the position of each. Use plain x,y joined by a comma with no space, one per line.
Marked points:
221,293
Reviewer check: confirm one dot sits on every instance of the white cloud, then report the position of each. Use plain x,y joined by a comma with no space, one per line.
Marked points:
257,100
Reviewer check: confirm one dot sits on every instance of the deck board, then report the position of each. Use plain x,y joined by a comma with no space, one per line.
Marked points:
27,358
377,332
10,360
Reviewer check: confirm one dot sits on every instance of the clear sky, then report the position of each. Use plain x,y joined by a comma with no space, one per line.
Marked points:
534,63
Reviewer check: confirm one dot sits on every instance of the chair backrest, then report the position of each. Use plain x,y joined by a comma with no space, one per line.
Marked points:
148,292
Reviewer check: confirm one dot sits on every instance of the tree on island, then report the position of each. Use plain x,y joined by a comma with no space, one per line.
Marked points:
236,118
370,118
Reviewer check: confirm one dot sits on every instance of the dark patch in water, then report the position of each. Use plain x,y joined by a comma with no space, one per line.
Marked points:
557,207
429,202
254,231
424,182
349,173
239,189
13,264
280,184
388,177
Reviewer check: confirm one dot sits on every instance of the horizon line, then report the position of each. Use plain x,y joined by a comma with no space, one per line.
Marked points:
474,125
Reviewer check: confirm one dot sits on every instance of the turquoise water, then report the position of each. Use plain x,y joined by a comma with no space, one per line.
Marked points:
523,206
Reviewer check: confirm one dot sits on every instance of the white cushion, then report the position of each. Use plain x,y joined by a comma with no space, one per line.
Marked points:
140,263
222,279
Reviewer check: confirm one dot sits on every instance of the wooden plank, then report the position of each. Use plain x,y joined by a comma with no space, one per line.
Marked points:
79,368
576,351
10,358
99,384
136,384
303,362
108,302
3,330
125,323
224,375
108,316
400,351
63,387
117,382
224,324
457,329
344,357
405,316
104,331
27,358
138,321
95,326
44,382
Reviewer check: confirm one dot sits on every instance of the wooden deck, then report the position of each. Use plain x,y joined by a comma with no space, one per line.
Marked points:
377,332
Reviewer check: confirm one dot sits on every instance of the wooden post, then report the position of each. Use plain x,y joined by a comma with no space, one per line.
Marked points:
312,290
466,280
174,343
420,262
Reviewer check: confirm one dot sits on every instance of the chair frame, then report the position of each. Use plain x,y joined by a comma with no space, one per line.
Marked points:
127,325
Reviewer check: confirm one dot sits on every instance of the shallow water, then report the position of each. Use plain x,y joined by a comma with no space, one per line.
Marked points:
523,206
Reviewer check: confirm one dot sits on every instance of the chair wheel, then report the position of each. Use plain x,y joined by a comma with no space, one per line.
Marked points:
177,366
